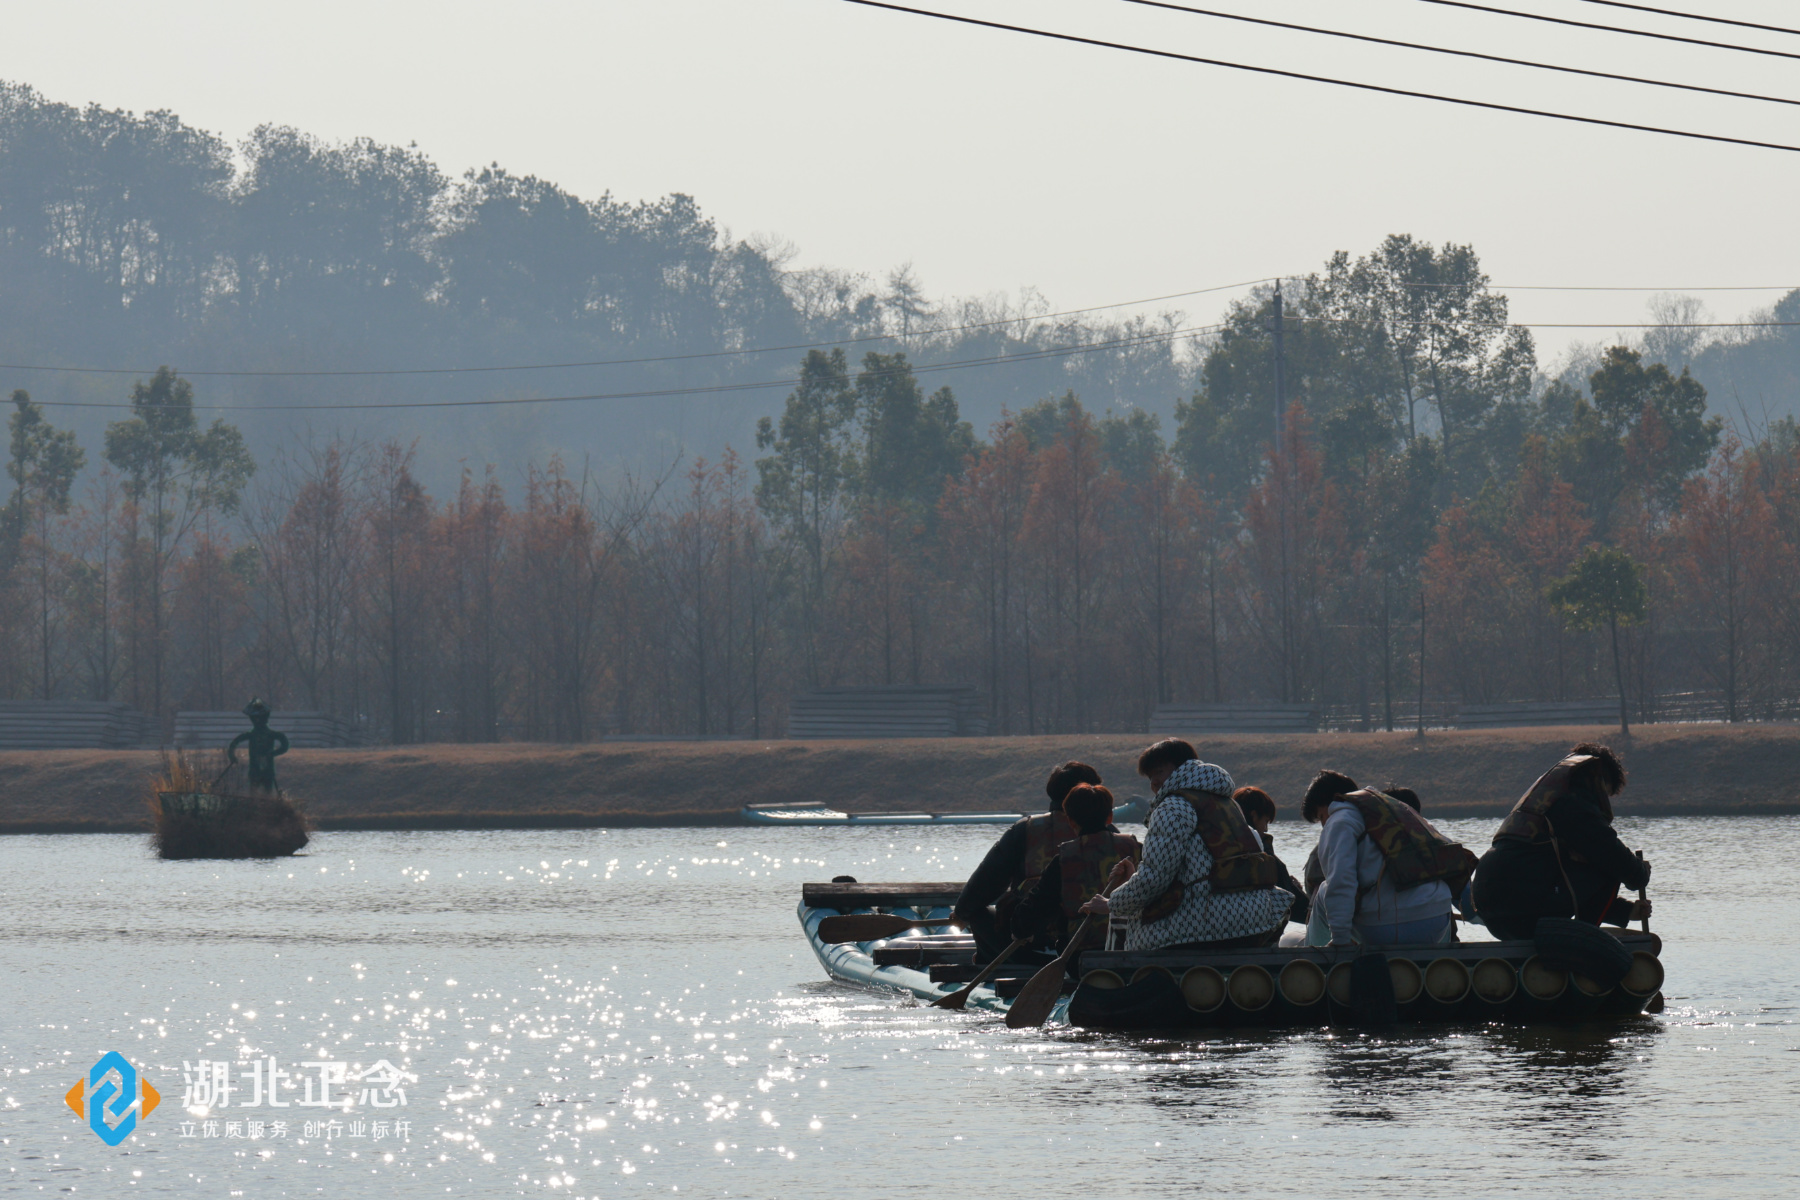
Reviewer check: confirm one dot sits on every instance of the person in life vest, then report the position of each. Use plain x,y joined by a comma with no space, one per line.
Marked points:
1051,909
1556,854
1015,862
1259,810
1388,875
1205,881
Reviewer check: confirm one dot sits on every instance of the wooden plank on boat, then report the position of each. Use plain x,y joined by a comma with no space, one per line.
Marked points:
1007,989
878,895
920,957
948,972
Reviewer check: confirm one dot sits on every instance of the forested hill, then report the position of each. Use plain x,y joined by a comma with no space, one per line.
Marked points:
132,241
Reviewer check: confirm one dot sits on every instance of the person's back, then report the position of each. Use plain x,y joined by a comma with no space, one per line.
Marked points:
1556,854
1386,876
1259,809
1205,882
1015,862
1050,909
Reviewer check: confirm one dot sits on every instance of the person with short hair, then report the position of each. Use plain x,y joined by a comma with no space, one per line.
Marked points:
1557,855
1387,875
1050,910
1016,861
1406,796
1259,810
1205,882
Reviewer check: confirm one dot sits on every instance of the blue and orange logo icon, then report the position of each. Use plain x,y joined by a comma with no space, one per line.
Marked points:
112,1097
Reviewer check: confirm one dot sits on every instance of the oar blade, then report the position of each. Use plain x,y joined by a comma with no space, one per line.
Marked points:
956,999
861,927
1033,1005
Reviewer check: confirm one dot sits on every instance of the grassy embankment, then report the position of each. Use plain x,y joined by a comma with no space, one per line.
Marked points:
1674,769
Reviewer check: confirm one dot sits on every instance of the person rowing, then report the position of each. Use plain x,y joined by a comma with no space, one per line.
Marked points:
1050,909
1205,882
1557,855
1015,862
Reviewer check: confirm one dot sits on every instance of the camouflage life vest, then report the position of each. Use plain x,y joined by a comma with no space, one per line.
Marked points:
1411,852
1239,862
1529,820
1085,863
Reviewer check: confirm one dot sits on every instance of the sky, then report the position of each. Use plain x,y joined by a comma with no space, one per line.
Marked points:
994,161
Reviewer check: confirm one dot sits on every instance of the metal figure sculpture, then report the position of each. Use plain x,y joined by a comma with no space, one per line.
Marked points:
263,744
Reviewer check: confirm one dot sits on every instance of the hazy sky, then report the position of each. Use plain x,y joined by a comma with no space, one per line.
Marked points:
993,161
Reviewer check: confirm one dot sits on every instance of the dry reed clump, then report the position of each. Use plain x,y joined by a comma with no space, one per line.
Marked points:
237,825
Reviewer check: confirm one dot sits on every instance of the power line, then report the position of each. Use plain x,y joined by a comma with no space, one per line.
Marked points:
1587,324
1688,16
1495,58
961,364
1662,37
1129,342
624,362
1366,87
1570,287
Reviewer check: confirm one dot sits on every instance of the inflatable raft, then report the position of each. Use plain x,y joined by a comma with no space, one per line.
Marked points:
924,965
1133,810
1466,982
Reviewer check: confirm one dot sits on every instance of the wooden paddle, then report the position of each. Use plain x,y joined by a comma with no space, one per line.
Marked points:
866,927
1655,1004
1034,1003
958,999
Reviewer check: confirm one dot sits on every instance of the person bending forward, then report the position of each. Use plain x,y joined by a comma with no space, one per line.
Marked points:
1556,854
1388,873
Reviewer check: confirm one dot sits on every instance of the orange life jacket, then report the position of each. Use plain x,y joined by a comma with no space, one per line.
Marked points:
1085,863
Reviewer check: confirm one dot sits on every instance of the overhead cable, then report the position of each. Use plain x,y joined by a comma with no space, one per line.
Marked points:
1129,342
1494,58
627,362
1661,37
1693,16
1366,87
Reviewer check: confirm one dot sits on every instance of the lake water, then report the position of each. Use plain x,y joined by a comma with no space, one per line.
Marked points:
634,1012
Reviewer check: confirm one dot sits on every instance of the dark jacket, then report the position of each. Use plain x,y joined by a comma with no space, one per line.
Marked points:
1002,864
1040,915
1289,884
1519,881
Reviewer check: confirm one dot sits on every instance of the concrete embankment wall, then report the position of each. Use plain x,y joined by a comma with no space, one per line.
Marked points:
1674,769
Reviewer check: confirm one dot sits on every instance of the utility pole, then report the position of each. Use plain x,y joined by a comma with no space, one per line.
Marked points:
1421,658
1285,482
1387,655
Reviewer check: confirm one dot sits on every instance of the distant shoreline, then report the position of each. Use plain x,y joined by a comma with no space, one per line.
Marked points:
1676,770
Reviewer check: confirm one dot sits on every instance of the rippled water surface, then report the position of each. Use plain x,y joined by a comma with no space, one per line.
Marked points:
635,1012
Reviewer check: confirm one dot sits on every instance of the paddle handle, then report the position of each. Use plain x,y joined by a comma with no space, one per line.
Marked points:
958,998
1643,922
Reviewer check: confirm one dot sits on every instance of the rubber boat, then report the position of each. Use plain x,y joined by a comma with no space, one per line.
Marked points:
803,813
924,965
1463,982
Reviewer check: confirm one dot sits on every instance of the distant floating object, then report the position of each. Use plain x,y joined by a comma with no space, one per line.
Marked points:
1133,810
819,814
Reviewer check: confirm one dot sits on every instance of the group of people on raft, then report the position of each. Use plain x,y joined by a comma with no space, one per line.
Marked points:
1206,875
